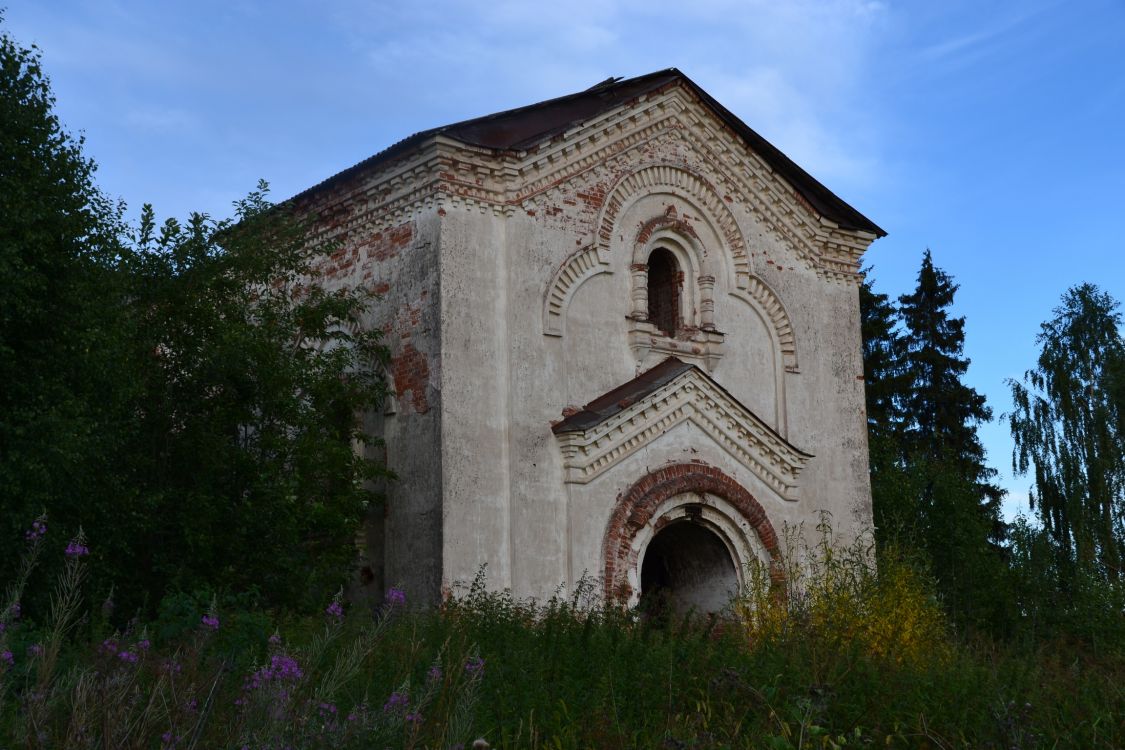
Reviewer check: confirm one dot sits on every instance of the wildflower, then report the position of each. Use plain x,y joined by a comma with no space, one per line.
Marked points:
144,644
335,610
396,597
170,667
34,650
76,549
474,666
435,673
327,708
37,530
282,668
109,646
396,702
128,657
414,718
275,639
210,621
6,656
285,667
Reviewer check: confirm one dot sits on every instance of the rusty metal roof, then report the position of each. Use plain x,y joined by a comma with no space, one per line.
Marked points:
623,396
524,128
627,394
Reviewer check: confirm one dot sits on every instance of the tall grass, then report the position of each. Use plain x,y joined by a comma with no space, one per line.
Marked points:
847,655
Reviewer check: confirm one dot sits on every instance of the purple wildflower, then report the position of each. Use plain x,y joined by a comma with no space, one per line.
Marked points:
327,708
77,549
275,639
128,657
37,530
396,597
6,656
414,718
282,668
335,610
474,666
435,673
285,667
35,650
396,702
211,622
109,646
144,644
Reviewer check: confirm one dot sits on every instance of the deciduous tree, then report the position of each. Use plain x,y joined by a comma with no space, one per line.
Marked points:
1067,426
188,394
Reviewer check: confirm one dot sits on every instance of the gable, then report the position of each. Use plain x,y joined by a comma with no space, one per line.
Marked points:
626,419
526,129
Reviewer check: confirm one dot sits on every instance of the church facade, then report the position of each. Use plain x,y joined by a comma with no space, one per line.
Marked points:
625,346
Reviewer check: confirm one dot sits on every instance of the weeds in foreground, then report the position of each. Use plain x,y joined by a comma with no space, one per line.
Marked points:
849,656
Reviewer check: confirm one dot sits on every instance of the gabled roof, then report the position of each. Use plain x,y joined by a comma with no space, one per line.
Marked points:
525,127
631,416
612,402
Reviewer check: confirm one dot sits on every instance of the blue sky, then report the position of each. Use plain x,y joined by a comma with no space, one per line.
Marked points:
991,132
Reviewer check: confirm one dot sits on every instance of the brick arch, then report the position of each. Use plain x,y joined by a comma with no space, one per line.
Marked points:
689,185
637,506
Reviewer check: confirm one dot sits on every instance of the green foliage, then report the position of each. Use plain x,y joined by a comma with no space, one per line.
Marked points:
1067,426
863,660
931,488
60,305
893,487
183,392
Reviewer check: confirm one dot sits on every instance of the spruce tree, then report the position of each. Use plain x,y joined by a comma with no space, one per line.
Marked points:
957,503
885,387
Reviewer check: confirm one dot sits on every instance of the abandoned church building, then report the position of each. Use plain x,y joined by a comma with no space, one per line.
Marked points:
625,345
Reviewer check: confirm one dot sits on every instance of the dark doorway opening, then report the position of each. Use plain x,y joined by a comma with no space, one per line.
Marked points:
687,567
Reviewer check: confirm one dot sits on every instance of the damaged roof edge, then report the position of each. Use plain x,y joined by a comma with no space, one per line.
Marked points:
522,128
648,382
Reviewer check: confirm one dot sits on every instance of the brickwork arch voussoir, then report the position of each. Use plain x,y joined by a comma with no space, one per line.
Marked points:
636,507
693,186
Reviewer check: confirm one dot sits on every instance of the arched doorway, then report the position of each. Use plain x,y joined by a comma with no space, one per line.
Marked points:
687,567
712,509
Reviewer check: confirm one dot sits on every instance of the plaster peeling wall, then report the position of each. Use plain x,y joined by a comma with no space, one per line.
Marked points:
399,262
466,245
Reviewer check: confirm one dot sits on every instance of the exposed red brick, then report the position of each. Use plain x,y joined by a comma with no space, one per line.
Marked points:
411,373
668,221
636,506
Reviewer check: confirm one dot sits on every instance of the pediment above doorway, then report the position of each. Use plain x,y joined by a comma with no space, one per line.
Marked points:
626,419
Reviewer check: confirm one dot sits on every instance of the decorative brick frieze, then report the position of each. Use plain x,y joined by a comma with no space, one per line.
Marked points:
691,397
451,174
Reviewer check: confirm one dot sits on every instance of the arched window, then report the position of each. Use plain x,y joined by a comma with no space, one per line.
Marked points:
664,291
